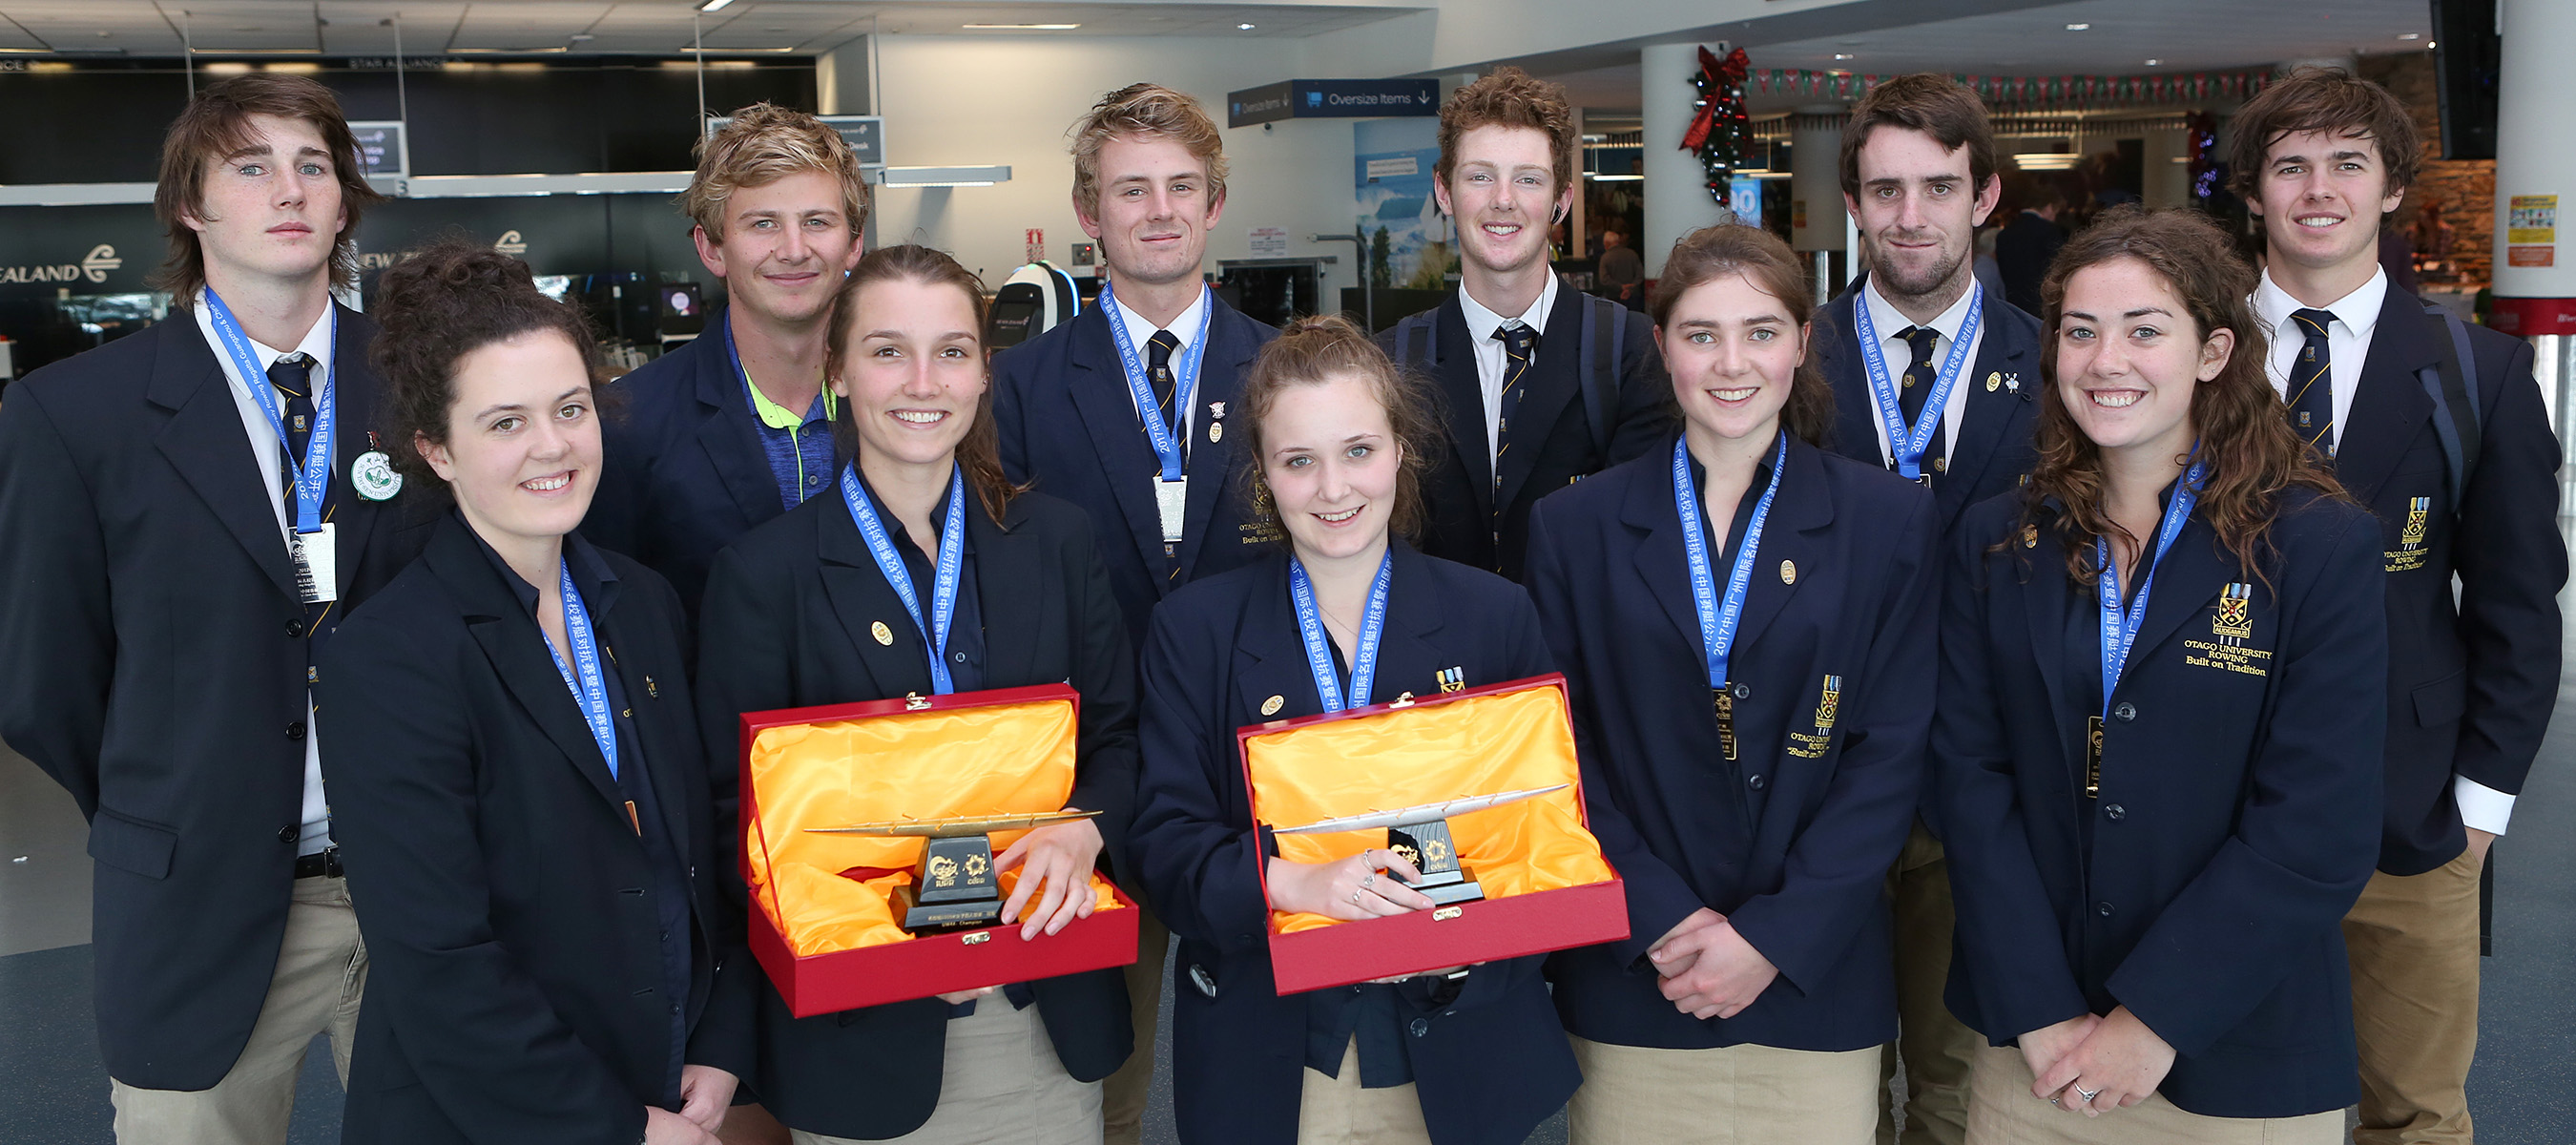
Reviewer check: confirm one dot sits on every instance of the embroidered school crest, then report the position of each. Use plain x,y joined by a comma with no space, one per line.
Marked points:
2416,511
1826,707
2232,621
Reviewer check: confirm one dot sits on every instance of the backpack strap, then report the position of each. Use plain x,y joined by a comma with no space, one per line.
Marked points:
1424,327
2453,385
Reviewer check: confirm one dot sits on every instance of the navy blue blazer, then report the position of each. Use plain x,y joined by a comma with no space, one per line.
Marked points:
518,988
2470,685
1068,424
2238,816
153,661
682,472
1459,494
1793,840
1489,1064
787,622
1994,449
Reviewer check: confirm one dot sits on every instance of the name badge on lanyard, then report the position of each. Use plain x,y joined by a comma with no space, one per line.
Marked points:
1319,653
1906,445
310,543
1171,477
944,584
2120,625
1718,618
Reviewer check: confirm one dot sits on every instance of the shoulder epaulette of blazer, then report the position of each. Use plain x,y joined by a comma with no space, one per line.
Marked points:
2452,383
1598,373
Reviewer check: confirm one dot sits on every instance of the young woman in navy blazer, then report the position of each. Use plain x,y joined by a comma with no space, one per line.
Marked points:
527,827
1462,1057
2163,689
804,611
1754,845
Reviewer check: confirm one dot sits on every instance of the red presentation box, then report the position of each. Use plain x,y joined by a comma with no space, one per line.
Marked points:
1546,885
820,924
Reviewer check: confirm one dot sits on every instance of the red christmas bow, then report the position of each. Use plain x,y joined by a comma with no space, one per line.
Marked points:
1716,78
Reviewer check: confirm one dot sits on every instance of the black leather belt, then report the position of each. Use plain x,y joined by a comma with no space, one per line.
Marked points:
322,864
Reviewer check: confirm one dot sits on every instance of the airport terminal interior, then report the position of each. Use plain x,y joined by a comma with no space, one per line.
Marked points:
559,131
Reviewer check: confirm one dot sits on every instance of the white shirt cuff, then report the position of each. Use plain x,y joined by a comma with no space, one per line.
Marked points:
2481,806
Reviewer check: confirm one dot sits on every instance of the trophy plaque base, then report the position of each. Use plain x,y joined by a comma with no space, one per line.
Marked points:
1428,846
919,916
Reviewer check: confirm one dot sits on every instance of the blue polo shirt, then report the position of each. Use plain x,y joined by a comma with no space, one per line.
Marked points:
799,448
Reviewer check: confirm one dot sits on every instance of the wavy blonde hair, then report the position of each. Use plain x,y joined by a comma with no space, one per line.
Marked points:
764,144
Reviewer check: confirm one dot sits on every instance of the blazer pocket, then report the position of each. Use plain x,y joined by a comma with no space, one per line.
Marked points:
132,845
2442,702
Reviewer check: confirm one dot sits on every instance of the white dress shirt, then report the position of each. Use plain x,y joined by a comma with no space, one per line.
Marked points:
2347,339
1891,322
1490,358
1185,328
266,449
2348,348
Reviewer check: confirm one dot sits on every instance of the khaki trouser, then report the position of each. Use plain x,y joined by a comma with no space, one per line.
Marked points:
1338,1111
2002,1111
321,972
1734,1095
1123,1094
1936,1050
2414,946
1001,1084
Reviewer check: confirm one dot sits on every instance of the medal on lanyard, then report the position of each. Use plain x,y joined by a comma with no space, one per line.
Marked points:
1171,480
1906,445
309,542
590,689
1319,654
943,588
2120,625
1717,620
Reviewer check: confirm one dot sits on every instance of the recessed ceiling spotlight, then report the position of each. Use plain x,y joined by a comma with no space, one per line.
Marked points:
2410,35
712,5
1020,27
582,37
2078,27
2155,63
1243,27
1845,56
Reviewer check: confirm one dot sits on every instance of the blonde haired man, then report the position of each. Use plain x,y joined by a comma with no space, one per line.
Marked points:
735,427
1123,411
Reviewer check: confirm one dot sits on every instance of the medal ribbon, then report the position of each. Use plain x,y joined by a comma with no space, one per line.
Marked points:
1185,381
591,689
2120,626
943,586
1908,445
313,474
1319,654
1717,621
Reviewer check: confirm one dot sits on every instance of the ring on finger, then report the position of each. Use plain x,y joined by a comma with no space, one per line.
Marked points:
2087,1094
1355,898
1369,879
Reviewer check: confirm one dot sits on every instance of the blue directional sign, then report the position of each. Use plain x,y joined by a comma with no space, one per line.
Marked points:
1332,99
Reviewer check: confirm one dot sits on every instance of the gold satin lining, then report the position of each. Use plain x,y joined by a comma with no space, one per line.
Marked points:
1480,745
995,760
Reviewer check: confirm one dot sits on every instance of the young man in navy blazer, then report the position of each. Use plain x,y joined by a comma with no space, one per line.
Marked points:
1123,411
1918,174
735,427
2376,381
1544,384
185,515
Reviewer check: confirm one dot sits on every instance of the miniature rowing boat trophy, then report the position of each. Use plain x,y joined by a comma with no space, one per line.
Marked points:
954,886
1421,835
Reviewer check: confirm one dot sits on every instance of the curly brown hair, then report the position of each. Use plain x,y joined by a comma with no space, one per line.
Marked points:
1312,351
434,307
980,453
2329,100
2252,452
217,123
1713,252
1510,98
1144,111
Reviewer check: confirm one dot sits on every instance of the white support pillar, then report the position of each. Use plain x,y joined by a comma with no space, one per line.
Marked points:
1675,187
2535,182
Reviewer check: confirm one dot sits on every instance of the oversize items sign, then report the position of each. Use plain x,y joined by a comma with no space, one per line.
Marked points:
1331,99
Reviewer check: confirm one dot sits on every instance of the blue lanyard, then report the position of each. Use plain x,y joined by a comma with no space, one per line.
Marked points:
313,475
591,690
2120,626
943,588
1717,622
1319,654
1185,379
1907,446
